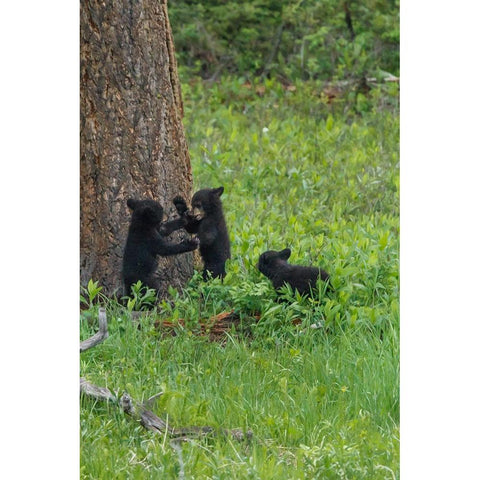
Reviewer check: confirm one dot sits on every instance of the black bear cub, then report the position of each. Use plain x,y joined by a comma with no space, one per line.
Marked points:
274,266
207,221
146,239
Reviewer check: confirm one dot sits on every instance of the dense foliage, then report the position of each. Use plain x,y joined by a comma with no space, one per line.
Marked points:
324,39
322,178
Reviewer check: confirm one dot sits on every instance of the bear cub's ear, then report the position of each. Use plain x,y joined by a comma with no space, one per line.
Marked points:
218,191
131,203
285,254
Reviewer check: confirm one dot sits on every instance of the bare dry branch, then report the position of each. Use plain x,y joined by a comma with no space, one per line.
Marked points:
99,393
100,336
152,399
147,418
152,422
155,424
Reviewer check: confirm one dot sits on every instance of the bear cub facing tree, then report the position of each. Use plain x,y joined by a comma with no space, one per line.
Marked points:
275,267
207,221
146,240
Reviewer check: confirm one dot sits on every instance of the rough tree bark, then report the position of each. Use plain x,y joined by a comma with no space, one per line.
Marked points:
132,142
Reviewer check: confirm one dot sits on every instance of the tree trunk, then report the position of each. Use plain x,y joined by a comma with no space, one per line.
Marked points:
132,142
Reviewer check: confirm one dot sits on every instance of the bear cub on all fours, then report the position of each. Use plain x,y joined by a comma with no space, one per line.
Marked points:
274,266
146,240
207,221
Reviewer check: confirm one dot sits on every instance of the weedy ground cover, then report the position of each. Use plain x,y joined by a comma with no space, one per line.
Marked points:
323,180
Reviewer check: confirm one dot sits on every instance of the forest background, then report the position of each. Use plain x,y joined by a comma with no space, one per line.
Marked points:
291,40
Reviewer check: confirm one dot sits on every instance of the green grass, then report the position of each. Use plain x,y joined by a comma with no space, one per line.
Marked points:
321,403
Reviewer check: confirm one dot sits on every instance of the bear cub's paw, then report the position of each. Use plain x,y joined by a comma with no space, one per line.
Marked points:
180,205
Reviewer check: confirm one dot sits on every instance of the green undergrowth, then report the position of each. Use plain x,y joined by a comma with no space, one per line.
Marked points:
290,39
323,402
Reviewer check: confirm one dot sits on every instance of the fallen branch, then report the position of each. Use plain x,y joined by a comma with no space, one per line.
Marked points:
149,420
100,336
96,392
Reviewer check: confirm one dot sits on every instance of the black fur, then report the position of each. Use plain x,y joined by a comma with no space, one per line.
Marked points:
274,266
146,239
207,221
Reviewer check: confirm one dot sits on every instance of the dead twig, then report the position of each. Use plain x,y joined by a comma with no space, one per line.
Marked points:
100,336
96,392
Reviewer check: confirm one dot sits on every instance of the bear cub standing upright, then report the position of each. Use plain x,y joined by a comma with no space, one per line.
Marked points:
275,267
207,221
146,239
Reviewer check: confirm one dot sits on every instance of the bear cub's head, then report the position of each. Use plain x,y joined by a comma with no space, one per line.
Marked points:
270,261
145,212
205,202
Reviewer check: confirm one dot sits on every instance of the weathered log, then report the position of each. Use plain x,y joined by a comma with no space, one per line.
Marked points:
155,424
147,419
152,422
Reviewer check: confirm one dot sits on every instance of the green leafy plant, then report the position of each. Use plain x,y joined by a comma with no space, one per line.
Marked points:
141,298
91,293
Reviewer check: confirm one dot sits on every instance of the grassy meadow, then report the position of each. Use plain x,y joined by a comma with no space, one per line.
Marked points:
322,179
